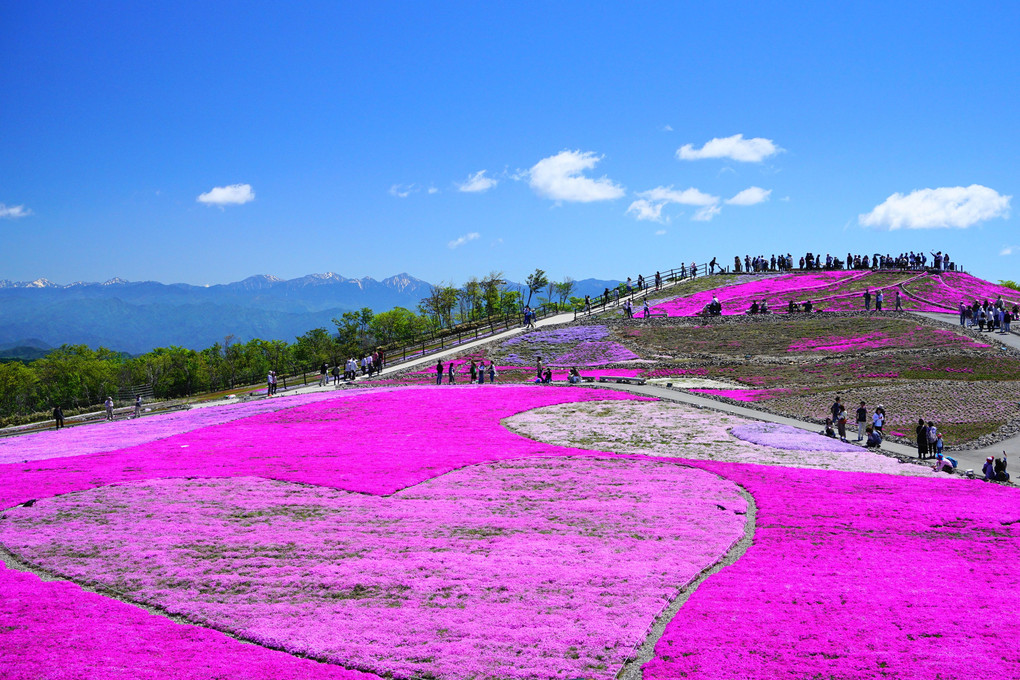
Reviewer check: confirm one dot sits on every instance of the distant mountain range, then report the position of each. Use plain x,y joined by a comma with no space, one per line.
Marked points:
136,316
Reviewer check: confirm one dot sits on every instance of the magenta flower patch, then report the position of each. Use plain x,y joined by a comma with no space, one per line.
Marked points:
521,569
857,575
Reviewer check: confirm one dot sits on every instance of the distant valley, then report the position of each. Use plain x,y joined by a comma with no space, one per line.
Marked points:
136,316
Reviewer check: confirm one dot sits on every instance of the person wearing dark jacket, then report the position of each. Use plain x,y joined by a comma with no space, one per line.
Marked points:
922,438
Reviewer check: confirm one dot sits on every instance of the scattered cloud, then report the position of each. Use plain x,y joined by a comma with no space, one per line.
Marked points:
235,194
433,190
735,148
560,178
649,204
458,242
13,212
1007,250
477,182
707,213
660,232
945,207
750,196
667,128
402,190
690,196
646,210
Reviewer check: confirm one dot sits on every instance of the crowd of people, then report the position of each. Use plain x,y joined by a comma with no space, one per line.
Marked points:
780,263
989,316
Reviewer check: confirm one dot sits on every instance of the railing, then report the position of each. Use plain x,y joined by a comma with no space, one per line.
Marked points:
617,297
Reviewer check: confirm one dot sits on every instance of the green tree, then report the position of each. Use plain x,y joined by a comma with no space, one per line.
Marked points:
397,325
352,331
19,389
439,303
536,281
1010,284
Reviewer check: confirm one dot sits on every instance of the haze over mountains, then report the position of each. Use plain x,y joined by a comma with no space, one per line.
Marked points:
136,316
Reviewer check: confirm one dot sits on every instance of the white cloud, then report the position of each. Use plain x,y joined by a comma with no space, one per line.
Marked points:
13,212
458,242
690,196
559,178
660,232
667,128
707,213
735,148
477,182
958,207
646,210
750,196
433,190
650,203
1007,250
235,194
402,190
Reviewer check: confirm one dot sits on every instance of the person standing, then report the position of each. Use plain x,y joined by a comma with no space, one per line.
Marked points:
645,310
439,371
492,372
450,372
878,419
862,419
474,371
481,372
538,370
138,406
323,370
58,416
109,408
899,302
922,439
878,300
834,409
841,423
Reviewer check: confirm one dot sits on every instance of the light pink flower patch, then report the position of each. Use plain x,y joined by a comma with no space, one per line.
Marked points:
521,569
748,395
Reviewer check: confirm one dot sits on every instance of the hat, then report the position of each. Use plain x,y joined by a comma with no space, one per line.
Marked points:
990,458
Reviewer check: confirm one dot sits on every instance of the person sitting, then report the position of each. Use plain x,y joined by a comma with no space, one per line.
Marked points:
944,464
1000,469
547,376
874,438
792,308
829,431
807,306
989,469
764,308
575,376
754,308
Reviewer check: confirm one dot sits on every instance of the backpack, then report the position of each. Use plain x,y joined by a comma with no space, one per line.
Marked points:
932,435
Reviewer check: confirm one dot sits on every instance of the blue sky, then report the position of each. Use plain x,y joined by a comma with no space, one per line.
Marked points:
202,143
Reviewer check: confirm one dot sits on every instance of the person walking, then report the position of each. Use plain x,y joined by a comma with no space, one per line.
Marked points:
58,416
899,302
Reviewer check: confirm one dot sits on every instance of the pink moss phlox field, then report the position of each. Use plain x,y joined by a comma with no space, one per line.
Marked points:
737,299
748,395
857,576
881,340
789,438
358,444
84,439
949,289
594,354
56,630
548,567
558,336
